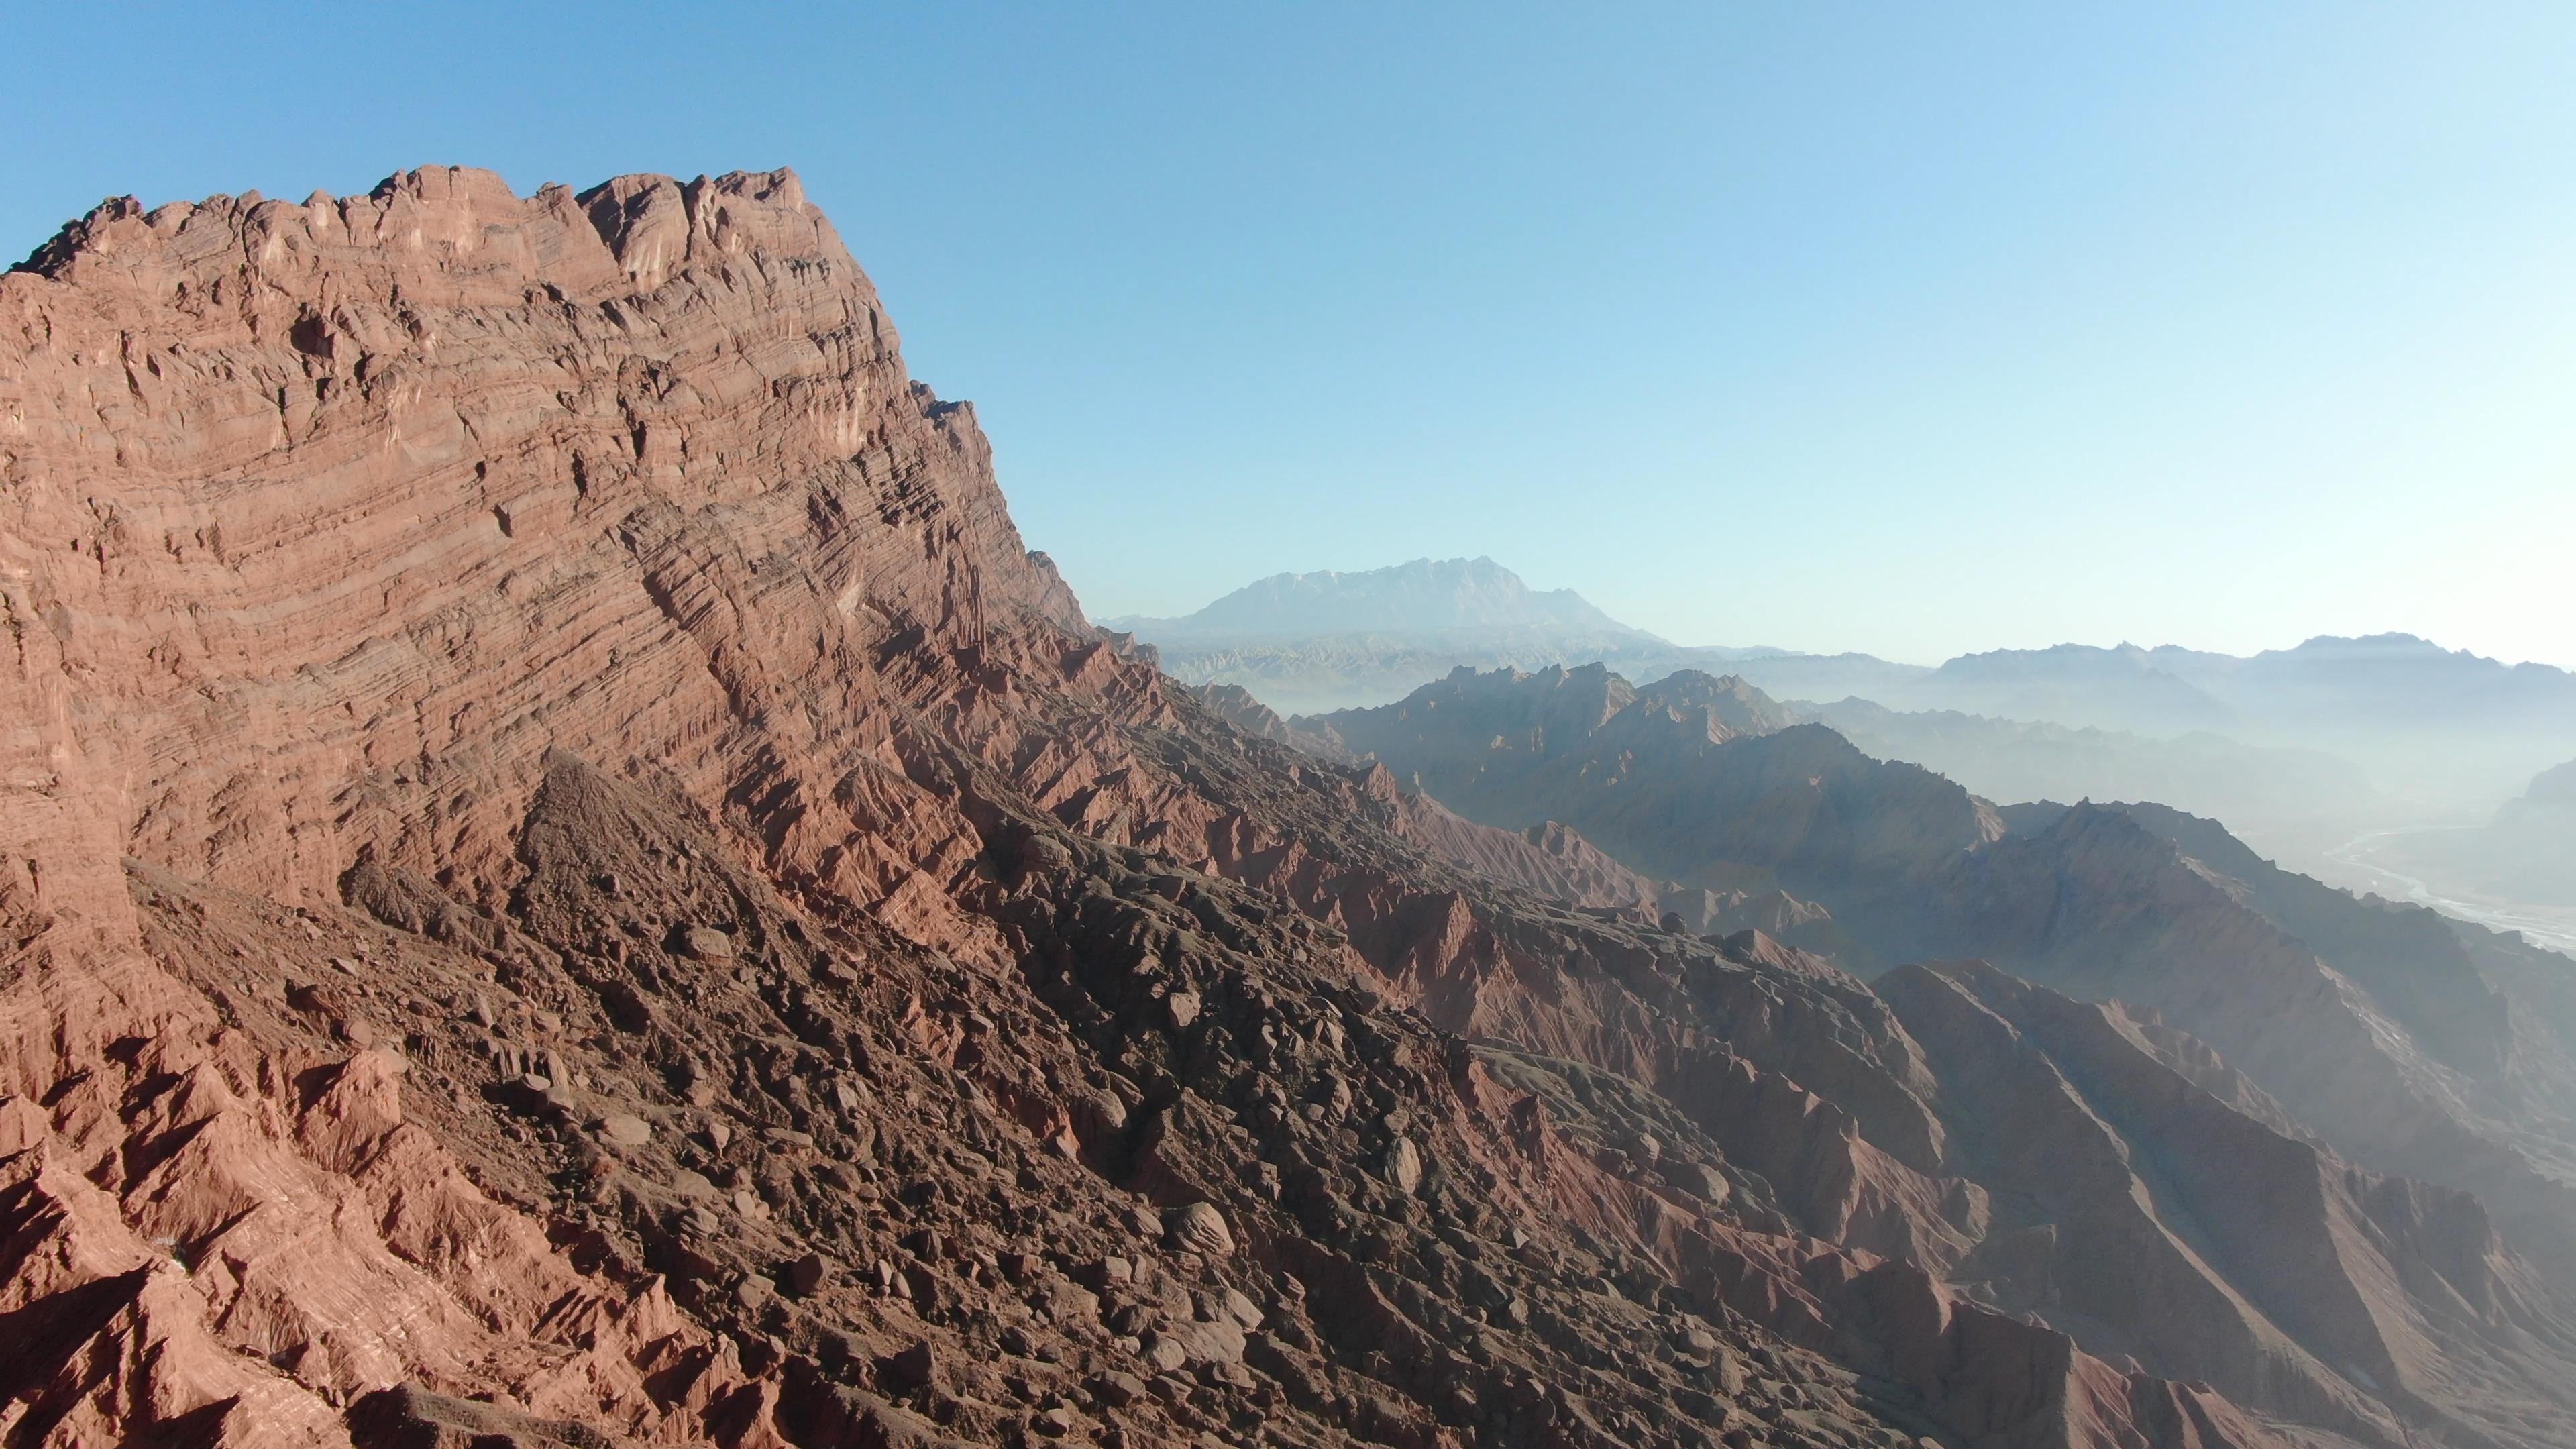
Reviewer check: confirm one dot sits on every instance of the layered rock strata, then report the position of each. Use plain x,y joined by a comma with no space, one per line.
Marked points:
568,880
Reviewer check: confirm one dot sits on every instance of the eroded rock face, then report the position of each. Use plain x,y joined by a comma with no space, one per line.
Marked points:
396,492
568,880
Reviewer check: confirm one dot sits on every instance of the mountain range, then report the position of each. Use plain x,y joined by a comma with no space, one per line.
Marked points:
568,879
2304,748
1319,641
2397,1040
2444,726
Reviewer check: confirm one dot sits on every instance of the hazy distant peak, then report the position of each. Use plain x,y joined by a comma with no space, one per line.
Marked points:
2123,652
2555,786
2372,645
1424,595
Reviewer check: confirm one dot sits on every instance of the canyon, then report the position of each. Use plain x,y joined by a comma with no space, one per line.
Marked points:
567,878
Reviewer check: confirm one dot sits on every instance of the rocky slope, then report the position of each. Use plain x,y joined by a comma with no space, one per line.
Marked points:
2411,1047
2196,1223
568,881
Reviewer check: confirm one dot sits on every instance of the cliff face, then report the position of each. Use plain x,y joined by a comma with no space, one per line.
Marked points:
326,523
568,880
389,494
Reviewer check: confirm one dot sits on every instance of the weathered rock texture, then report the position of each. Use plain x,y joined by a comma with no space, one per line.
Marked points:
565,879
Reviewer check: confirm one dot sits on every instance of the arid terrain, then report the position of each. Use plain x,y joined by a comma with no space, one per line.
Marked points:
567,879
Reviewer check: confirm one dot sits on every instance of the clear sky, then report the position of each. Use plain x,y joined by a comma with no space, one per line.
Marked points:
1910,329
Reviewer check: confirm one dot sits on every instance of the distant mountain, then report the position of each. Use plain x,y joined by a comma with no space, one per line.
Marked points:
1823,676
2551,797
2397,678
1424,596
2413,1044
2441,726
2279,791
1308,643
2120,688
1692,779
2526,854
2310,749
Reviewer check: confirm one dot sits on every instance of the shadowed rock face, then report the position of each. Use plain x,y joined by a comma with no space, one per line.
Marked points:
566,879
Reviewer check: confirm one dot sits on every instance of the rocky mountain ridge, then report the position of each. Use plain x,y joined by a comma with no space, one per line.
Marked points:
2307,746
2278,793
2411,1044
2443,726
569,881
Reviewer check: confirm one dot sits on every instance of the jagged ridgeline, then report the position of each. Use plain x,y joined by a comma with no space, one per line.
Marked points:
567,879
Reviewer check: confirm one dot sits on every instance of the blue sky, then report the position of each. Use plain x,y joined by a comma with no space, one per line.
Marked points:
1907,329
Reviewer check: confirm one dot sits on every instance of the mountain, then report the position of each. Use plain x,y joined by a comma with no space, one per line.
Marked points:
2526,854
2124,688
2546,807
2320,752
1424,596
2430,732
2376,1025
2410,681
2442,727
567,879
2280,792
2351,1035
1320,641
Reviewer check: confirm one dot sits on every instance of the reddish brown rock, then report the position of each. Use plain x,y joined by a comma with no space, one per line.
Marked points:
508,597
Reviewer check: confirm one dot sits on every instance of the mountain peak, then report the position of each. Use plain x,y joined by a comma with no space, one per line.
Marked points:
640,228
1418,596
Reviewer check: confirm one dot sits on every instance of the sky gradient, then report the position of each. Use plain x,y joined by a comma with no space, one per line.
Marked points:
1828,327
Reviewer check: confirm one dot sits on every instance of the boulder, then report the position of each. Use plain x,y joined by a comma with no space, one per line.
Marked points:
1200,1228
707,943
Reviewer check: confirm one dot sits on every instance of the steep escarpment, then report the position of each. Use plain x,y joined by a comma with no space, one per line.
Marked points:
568,879
399,491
